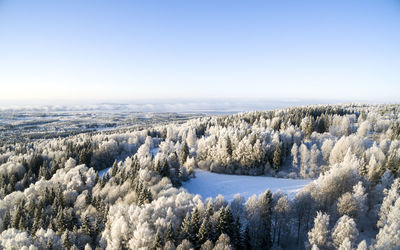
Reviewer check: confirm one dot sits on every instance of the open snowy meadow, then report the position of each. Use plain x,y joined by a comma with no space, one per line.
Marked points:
208,184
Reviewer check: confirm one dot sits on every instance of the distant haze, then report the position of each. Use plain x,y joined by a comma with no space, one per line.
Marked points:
207,106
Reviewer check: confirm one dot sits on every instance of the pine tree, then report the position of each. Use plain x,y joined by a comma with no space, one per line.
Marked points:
185,227
17,217
225,222
277,160
85,154
391,164
229,149
25,180
363,165
194,226
165,169
60,197
86,225
170,233
236,237
96,229
60,220
309,127
88,198
21,224
49,245
158,242
66,240
246,239
202,236
114,169
6,220
327,123
184,153
144,196
265,211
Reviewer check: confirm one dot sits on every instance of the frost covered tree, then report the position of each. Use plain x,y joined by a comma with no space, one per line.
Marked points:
387,205
348,205
345,245
208,245
191,138
277,160
223,243
185,245
388,236
350,150
295,158
304,159
282,212
319,234
362,245
345,228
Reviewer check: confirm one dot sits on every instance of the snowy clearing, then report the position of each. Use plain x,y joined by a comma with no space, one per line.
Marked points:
103,172
208,184
154,151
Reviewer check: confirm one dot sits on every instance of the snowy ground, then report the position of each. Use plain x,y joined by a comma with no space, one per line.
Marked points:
103,172
209,184
154,151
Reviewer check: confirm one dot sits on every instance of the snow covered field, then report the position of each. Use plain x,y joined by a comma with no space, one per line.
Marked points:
209,184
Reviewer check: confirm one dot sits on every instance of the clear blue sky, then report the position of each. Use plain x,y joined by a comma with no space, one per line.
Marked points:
133,50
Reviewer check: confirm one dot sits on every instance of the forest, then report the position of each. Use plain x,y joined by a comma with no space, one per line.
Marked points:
52,196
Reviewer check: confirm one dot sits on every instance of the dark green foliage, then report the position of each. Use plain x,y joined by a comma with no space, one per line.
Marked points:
158,242
162,167
85,154
266,218
18,215
194,226
60,220
309,127
246,239
114,169
226,222
66,240
395,130
326,122
203,233
184,153
86,227
170,236
392,164
6,220
236,238
35,163
277,160
185,228
229,149
144,195
320,126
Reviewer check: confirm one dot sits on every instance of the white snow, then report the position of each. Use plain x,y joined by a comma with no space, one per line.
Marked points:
208,184
103,172
154,151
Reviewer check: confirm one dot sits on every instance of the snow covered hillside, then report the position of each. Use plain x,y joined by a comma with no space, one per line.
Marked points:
209,184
